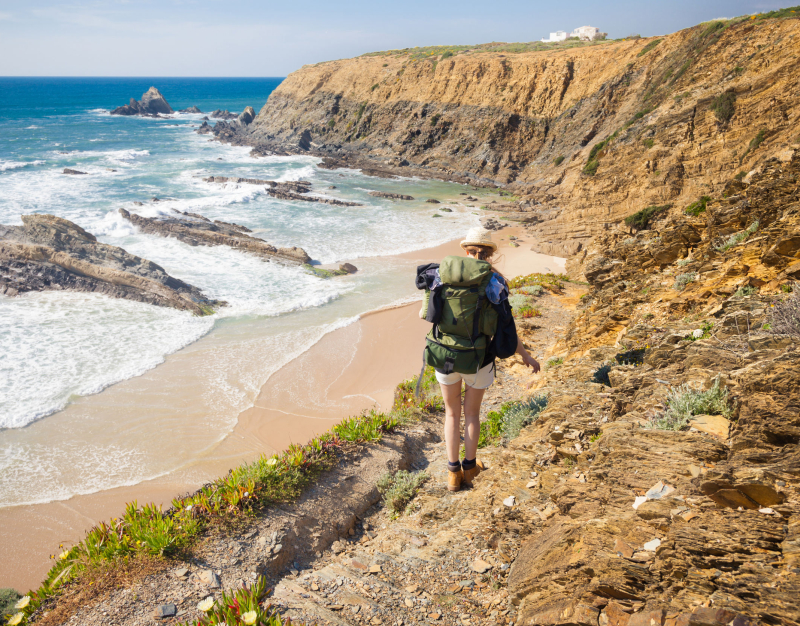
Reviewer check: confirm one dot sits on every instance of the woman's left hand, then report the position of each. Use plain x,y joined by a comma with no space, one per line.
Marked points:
529,361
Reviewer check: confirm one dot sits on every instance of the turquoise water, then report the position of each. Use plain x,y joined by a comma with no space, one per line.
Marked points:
57,347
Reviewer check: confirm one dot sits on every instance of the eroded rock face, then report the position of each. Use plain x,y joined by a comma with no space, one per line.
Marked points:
531,120
51,253
197,230
151,104
691,526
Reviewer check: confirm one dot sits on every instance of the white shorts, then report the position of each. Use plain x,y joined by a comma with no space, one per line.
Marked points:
482,380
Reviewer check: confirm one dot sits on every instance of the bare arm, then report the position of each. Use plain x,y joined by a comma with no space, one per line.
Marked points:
527,359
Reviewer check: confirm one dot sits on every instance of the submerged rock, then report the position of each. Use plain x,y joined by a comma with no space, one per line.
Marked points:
391,196
51,253
197,230
72,172
151,104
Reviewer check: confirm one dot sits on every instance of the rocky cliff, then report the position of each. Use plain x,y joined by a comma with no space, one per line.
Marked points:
51,253
584,136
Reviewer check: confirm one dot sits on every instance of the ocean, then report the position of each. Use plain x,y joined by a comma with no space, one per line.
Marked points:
61,434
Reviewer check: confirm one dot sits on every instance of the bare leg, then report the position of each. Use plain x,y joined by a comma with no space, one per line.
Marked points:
472,420
452,419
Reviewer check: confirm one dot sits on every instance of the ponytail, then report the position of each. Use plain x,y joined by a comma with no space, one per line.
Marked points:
483,253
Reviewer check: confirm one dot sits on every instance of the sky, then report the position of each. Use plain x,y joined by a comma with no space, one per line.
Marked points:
267,38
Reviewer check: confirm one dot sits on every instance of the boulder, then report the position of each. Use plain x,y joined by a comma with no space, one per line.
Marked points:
151,105
223,115
348,267
191,109
391,196
247,116
72,172
51,253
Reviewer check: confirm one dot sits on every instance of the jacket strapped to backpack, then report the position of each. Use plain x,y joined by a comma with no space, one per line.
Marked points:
464,320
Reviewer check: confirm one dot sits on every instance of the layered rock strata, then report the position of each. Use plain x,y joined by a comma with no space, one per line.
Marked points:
197,230
151,105
51,253
657,120
694,525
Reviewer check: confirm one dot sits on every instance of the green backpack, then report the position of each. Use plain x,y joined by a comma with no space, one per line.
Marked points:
461,334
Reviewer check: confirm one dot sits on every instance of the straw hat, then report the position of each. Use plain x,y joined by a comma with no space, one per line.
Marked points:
479,237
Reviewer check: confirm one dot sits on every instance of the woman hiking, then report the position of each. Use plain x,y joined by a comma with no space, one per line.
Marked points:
467,302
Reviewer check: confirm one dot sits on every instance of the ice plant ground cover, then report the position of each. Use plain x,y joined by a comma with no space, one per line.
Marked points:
246,490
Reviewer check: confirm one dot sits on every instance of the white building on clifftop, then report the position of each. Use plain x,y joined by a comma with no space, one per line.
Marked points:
559,35
588,33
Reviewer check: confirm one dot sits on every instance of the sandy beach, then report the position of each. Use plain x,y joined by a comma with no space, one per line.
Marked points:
349,370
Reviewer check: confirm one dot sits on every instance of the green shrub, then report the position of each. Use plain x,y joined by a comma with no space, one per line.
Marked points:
756,141
788,12
430,398
243,606
724,106
649,143
705,328
684,402
434,120
696,208
447,54
360,111
374,87
600,375
631,357
746,290
554,362
712,28
554,282
641,219
521,414
399,489
590,169
517,300
737,238
682,280
8,598
649,47
331,123
596,148
558,160
740,176
532,290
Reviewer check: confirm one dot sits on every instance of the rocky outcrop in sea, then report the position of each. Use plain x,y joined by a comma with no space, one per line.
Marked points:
291,190
51,253
197,230
151,105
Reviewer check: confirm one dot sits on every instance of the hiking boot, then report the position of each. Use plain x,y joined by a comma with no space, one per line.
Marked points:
470,474
454,480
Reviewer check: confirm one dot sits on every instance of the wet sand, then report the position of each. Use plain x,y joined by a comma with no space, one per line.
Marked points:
349,370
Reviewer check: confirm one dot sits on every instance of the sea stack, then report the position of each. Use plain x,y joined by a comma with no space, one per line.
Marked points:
151,105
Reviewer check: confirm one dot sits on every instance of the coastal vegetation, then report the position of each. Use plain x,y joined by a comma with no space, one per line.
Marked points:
399,488
686,401
698,207
248,490
724,106
641,219
245,605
